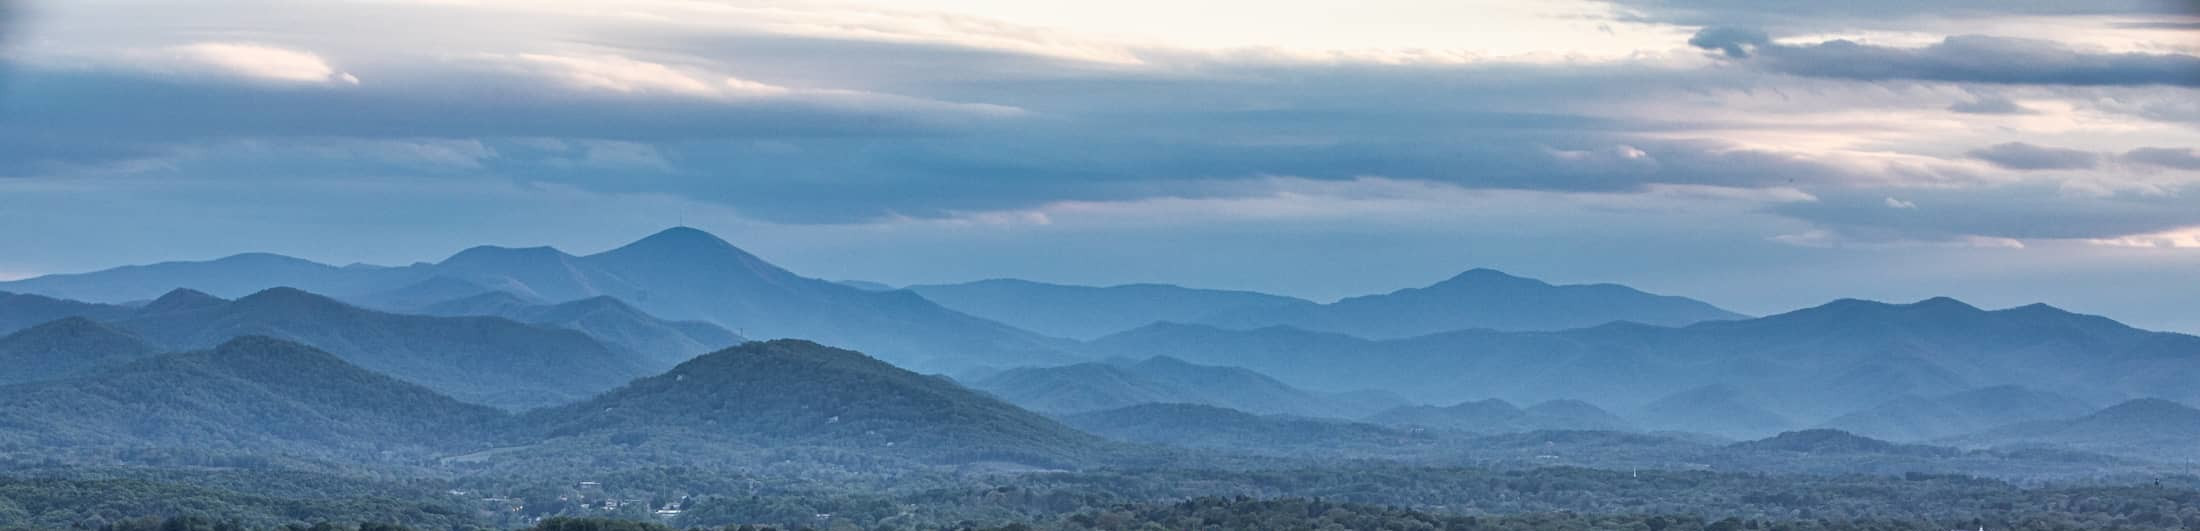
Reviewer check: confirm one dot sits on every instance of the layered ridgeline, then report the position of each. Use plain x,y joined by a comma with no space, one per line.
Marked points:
1478,298
1924,418
788,392
484,360
1780,372
662,343
269,397
1088,312
678,274
1210,427
250,393
1119,383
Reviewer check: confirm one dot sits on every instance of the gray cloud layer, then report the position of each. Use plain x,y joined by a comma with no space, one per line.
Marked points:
1966,58
2023,156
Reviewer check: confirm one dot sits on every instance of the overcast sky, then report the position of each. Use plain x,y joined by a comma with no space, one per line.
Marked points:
1761,155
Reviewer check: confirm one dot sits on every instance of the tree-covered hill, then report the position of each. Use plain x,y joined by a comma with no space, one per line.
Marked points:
793,392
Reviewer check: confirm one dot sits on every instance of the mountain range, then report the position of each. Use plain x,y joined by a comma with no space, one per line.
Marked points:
1768,374
1120,383
483,360
678,274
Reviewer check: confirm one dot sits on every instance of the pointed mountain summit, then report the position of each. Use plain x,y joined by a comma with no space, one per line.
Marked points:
1480,299
685,273
793,392
250,393
67,347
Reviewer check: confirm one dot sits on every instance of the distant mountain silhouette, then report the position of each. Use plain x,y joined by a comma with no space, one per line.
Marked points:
1825,441
233,276
486,360
1498,416
662,344
1087,312
2145,428
70,346
249,393
865,285
793,392
1478,298
1915,418
1807,366
1203,426
678,274
1097,386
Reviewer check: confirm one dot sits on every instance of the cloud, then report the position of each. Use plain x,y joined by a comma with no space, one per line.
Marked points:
2023,156
2174,158
1815,12
1989,105
2017,212
624,75
1963,58
263,62
1897,203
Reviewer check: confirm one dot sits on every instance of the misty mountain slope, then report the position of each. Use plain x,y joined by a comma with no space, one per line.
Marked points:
678,274
1087,312
19,311
662,344
67,347
411,298
1714,409
1204,426
486,360
1498,416
251,393
1809,365
793,392
1097,386
1915,418
1478,298
2144,428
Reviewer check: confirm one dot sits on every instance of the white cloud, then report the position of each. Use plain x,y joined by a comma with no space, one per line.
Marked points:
2185,238
625,75
263,62
1897,203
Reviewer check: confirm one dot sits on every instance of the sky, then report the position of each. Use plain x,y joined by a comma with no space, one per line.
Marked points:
1763,155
